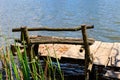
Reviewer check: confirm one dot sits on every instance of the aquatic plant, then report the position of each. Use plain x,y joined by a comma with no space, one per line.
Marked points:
21,68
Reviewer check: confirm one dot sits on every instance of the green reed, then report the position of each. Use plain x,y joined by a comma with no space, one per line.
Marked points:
14,67
23,62
24,69
52,67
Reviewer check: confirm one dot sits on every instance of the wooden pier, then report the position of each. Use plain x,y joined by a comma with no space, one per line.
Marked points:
92,52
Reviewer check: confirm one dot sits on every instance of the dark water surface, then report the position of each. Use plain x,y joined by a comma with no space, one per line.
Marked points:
104,14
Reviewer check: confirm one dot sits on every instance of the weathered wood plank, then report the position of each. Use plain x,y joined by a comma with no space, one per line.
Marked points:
115,55
56,40
94,47
74,52
53,50
101,56
66,50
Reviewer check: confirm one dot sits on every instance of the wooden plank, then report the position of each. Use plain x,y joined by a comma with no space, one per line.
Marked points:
115,56
94,47
112,74
53,50
61,50
59,40
66,50
74,52
101,55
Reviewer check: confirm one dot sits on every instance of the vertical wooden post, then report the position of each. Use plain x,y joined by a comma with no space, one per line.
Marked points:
25,35
26,41
87,51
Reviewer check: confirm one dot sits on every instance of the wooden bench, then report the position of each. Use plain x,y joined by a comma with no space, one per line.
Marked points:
48,39
31,41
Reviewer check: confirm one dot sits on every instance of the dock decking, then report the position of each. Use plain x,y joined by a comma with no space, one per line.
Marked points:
104,53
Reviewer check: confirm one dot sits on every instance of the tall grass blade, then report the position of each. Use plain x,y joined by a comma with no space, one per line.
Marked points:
14,67
23,63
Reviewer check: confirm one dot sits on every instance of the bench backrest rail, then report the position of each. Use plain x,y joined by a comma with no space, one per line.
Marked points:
53,29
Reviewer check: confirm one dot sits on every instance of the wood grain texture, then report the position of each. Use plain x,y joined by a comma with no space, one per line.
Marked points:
101,56
59,40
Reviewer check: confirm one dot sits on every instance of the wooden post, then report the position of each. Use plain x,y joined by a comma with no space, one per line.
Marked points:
25,35
87,51
26,41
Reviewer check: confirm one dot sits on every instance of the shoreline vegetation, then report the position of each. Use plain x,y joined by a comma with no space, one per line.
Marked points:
20,68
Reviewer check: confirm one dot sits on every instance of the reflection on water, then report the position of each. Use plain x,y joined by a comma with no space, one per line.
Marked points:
63,13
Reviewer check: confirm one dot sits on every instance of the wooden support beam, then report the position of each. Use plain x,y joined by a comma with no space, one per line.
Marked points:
88,64
53,29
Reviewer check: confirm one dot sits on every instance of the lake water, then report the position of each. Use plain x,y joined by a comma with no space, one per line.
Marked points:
103,14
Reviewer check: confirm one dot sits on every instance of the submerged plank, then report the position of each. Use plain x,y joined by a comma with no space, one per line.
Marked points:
102,54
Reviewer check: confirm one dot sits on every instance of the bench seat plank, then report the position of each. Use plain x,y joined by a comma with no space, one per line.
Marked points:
58,40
